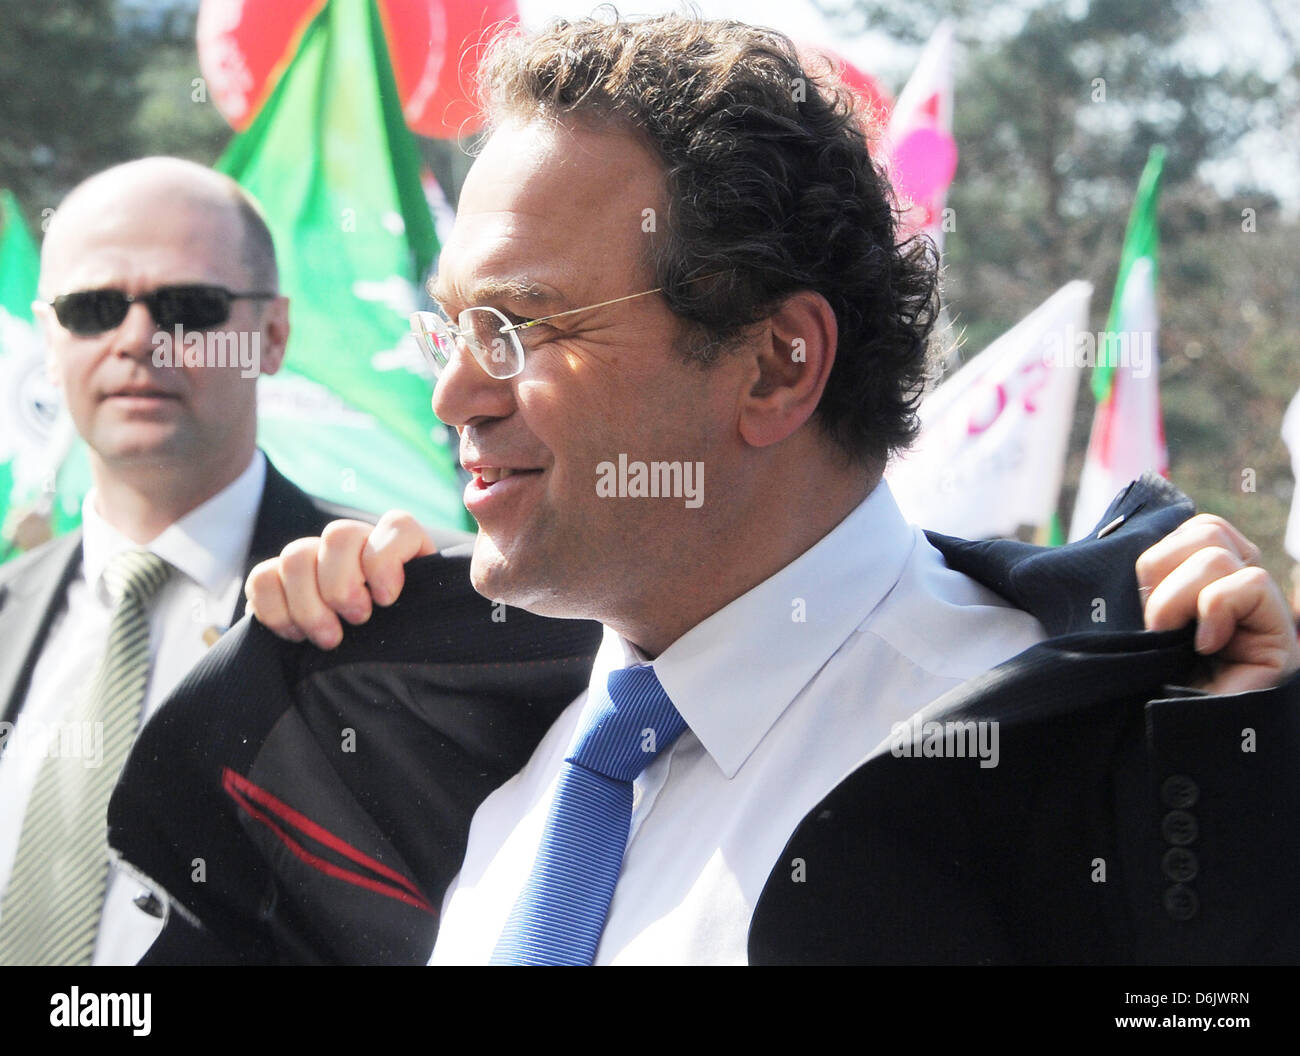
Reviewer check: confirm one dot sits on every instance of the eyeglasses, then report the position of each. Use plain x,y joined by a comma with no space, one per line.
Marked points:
488,334
194,306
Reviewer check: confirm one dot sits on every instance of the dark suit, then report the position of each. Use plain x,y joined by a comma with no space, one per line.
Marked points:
329,855
32,587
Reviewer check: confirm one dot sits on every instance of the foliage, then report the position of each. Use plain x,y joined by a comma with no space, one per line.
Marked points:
1057,104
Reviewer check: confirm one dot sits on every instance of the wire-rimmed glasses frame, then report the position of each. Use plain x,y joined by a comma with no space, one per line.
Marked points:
500,357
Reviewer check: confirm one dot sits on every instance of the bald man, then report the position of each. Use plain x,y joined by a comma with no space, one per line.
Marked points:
160,307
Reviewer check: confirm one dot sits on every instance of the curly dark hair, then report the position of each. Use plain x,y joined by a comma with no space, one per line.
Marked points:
771,185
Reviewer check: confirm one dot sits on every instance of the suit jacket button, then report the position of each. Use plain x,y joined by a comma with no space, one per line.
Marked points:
1179,865
1179,827
1179,792
1181,902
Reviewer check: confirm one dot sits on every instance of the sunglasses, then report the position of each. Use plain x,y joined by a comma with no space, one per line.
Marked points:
191,307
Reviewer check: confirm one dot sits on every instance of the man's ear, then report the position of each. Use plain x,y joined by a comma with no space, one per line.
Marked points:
45,324
275,334
792,361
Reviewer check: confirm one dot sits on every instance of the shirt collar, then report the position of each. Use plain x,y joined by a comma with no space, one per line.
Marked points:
733,675
209,544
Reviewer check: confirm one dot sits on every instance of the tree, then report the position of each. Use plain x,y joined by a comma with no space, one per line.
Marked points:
1057,105
67,78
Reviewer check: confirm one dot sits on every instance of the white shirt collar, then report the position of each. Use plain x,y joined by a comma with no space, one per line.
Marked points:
733,675
209,544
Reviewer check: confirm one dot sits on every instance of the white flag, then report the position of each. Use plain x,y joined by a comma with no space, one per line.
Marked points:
991,452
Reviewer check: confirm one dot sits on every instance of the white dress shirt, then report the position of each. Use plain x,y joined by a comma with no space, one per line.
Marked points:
208,547
785,691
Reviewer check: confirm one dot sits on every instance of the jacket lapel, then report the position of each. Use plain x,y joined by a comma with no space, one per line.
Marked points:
1086,586
286,513
29,601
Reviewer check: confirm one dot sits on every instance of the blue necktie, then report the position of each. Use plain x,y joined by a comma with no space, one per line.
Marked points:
561,911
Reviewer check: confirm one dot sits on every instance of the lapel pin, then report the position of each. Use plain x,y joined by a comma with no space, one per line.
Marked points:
1112,526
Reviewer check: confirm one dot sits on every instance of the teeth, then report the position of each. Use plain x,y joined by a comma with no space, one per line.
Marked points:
491,474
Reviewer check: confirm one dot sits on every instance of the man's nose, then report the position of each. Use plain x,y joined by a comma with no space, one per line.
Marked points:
466,393
135,333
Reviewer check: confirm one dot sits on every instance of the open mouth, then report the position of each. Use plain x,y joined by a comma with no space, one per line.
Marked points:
486,476
494,488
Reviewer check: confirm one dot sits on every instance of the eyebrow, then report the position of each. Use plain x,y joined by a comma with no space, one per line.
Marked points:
517,290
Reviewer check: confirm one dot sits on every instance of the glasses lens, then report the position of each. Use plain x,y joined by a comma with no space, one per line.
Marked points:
190,307
434,339
498,353
90,311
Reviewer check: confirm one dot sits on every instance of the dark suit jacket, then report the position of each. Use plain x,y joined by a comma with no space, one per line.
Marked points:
32,586
300,806
317,853
1127,820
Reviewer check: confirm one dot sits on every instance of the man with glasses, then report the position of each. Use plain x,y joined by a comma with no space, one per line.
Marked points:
98,627
675,250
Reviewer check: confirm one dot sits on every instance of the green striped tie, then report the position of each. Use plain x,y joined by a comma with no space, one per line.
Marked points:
52,906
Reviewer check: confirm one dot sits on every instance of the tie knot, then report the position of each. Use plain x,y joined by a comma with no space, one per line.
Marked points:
135,574
633,724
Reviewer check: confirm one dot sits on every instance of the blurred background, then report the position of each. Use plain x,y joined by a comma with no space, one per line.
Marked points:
1030,124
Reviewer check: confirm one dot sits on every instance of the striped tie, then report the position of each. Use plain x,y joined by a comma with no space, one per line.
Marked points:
52,906
561,912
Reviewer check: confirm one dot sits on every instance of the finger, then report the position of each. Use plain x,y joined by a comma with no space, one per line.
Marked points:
306,607
395,540
1244,621
1200,532
1173,601
267,601
1224,529
1248,602
339,575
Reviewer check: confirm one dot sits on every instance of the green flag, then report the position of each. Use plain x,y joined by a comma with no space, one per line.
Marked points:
1141,240
19,262
338,174
1128,434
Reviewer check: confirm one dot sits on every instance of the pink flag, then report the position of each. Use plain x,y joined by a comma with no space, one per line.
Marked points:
923,154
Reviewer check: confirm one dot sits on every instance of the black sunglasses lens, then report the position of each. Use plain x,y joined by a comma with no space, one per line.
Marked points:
190,307
91,311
